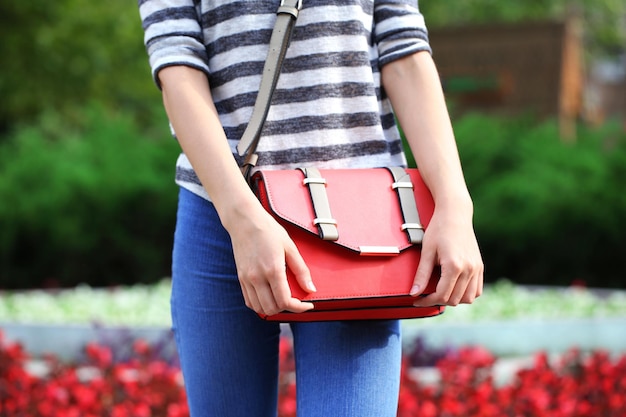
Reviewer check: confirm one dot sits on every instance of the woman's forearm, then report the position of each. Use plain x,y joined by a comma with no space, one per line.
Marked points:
191,111
414,88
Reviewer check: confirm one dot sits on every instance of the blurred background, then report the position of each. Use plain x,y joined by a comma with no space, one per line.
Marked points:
536,90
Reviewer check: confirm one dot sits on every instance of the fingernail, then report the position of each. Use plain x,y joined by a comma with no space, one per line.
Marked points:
415,289
311,287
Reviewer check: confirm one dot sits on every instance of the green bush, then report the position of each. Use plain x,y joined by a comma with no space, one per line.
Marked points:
546,212
95,201
92,204
64,53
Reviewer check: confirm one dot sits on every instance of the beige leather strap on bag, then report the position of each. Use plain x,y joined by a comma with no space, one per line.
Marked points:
326,224
404,188
287,15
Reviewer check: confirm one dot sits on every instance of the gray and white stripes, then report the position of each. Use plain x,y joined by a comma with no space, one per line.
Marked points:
328,109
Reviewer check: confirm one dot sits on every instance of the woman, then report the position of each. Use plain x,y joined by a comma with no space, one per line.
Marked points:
347,63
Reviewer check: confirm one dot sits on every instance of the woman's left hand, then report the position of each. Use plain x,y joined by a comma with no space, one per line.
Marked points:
450,242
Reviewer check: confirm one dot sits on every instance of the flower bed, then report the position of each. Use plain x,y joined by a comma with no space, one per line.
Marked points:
575,385
110,379
140,387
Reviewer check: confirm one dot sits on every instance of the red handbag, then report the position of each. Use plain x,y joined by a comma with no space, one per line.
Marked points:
358,233
358,230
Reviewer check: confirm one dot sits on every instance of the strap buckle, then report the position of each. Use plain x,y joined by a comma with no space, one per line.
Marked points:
298,5
308,180
290,8
402,184
415,226
321,220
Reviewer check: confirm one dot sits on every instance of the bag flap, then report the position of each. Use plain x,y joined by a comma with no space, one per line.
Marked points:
362,202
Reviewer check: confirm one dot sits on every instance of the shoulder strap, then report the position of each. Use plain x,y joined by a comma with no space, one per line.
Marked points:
287,15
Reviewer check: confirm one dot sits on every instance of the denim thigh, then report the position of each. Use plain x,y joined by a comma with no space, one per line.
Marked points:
229,356
349,368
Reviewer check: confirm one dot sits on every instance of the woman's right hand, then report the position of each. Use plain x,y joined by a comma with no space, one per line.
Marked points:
263,252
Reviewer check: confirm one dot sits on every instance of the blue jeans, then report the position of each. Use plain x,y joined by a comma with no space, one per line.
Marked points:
229,356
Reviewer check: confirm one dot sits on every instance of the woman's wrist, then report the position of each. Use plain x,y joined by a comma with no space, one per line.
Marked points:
458,204
237,208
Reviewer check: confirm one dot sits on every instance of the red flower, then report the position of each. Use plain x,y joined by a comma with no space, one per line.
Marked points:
577,385
142,348
100,355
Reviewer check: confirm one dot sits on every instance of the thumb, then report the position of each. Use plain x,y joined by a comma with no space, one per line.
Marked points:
424,271
296,264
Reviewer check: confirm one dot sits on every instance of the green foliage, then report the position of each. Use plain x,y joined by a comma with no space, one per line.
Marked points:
95,203
66,53
546,211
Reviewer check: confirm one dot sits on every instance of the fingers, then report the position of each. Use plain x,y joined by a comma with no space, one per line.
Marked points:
424,270
267,291
298,267
460,283
271,296
283,300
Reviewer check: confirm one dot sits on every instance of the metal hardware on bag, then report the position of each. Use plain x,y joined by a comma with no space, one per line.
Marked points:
251,160
314,180
289,9
401,184
406,226
248,165
298,4
318,220
379,250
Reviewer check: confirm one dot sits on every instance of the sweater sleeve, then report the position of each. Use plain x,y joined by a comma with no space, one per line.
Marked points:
399,29
172,35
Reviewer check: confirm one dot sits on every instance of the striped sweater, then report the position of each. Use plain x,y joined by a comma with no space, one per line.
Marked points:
328,109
